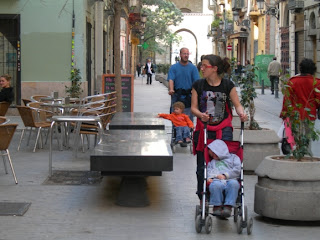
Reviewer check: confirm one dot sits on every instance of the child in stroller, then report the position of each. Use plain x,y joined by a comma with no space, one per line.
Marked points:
223,171
181,123
223,177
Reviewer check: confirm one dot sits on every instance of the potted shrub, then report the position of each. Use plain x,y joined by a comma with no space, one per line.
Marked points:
75,89
289,186
258,142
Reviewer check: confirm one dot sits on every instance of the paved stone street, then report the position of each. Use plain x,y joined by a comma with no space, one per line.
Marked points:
89,211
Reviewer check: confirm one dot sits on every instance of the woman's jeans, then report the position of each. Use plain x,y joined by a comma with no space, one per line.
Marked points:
224,192
227,135
182,133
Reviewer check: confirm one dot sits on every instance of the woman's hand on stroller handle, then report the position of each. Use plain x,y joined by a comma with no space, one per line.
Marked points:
204,117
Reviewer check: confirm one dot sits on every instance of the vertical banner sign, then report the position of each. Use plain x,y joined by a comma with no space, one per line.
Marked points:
127,89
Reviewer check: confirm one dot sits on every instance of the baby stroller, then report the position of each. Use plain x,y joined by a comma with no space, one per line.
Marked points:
240,212
173,143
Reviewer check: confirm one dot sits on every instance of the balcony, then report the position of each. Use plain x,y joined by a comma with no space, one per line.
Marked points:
295,5
237,5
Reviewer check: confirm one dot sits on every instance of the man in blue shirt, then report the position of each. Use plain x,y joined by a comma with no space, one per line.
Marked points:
181,76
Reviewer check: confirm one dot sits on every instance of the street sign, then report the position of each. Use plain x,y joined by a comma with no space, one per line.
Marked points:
229,47
145,45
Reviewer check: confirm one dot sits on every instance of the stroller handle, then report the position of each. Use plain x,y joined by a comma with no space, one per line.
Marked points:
241,133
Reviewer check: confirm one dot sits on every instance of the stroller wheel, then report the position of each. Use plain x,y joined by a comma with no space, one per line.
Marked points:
235,214
249,226
198,224
208,224
191,148
173,147
198,211
239,226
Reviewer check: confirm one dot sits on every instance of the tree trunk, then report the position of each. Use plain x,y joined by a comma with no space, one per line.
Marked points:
117,58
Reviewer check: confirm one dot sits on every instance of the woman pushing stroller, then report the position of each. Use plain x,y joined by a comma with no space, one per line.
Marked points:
211,104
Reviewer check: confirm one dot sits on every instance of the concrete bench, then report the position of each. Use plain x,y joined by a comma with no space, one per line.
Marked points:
133,155
132,152
137,121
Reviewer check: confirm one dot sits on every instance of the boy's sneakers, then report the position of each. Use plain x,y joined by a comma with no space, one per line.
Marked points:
188,140
217,210
179,142
226,212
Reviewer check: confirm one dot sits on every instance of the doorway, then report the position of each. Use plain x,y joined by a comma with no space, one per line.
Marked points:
10,51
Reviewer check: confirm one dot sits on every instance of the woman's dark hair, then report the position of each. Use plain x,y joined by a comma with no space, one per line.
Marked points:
307,66
222,64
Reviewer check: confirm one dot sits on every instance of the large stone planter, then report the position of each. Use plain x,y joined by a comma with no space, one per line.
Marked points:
257,145
288,189
162,78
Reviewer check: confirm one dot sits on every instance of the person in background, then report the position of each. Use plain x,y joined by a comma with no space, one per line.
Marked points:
139,69
302,97
238,72
181,76
211,104
6,93
273,73
199,66
181,122
149,71
248,65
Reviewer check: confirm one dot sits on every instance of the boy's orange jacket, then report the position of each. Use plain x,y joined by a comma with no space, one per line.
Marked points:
178,120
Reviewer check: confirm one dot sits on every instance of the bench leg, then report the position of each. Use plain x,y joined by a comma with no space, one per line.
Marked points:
133,192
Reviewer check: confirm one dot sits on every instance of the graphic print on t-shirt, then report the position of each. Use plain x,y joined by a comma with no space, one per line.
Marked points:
215,106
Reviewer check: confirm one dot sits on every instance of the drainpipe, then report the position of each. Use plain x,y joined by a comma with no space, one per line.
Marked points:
98,49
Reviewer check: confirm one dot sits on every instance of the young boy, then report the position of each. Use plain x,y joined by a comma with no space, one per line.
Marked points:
181,122
223,171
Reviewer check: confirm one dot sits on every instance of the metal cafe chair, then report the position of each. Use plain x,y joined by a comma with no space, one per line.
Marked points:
25,101
6,134
29,117
4,120
4,108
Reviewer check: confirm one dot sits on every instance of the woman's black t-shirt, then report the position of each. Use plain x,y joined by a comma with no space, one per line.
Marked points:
213,99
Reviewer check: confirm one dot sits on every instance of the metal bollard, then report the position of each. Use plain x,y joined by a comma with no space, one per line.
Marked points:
262,83
276,88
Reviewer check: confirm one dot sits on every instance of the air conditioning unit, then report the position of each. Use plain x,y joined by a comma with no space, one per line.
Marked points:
295,5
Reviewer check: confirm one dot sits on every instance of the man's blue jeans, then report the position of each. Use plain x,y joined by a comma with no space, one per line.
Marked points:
182,133
216,189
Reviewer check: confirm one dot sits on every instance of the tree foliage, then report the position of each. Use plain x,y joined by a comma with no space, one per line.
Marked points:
161,15
248,94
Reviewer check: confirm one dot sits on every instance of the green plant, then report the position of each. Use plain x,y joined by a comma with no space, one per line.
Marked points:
74,90
248,94
300,120
215,23
163,68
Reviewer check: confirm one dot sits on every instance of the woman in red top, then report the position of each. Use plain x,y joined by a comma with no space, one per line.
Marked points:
302,94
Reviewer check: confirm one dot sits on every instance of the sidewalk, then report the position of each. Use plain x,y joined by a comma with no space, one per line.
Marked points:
68,212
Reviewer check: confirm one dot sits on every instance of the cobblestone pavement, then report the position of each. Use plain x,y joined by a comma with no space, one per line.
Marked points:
89,211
